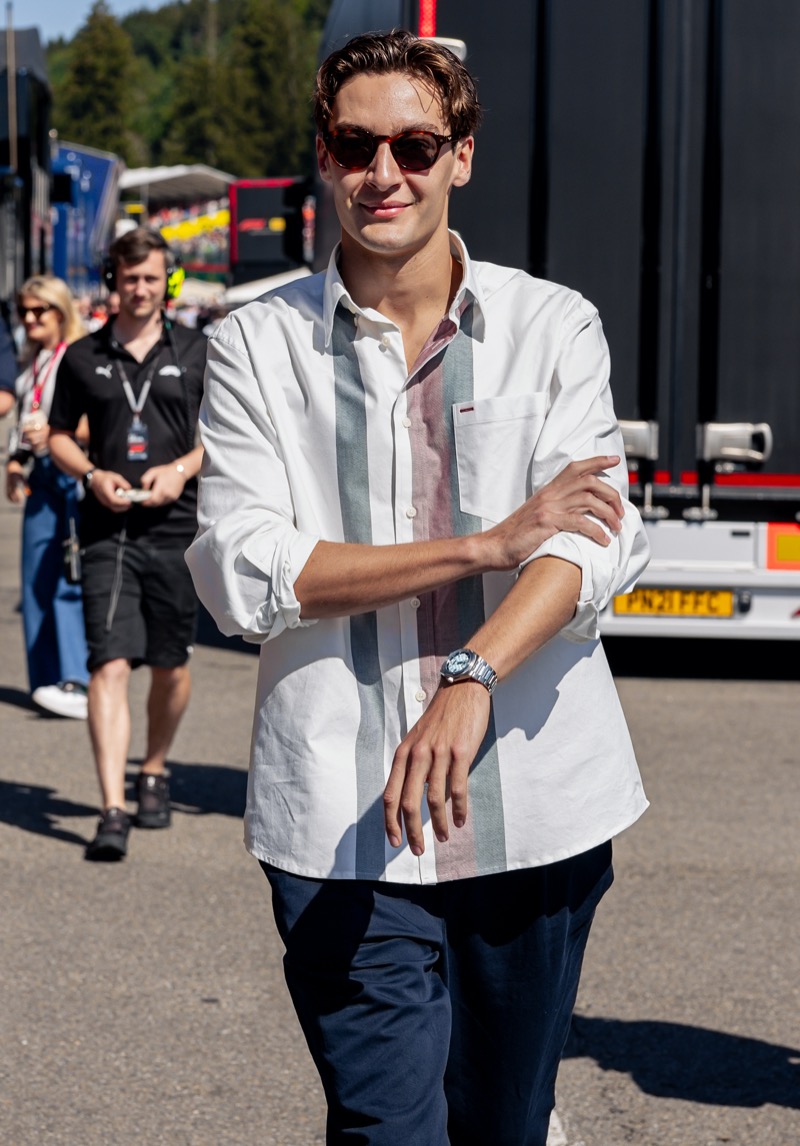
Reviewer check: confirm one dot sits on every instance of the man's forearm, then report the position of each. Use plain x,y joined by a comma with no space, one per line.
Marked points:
70,458
67,454
191,462
341,580
358,578
538,606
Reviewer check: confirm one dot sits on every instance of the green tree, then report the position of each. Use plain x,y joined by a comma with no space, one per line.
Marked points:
314,12
94,104
245,107
267,108
196,134
195,81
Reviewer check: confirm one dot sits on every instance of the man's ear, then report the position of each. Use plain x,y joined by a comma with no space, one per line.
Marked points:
463,151
323,160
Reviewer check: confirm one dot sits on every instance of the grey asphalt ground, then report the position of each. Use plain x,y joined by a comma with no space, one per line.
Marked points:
143,1003
687,1031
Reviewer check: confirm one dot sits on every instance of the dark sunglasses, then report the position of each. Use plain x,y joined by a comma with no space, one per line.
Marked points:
36,311
354,147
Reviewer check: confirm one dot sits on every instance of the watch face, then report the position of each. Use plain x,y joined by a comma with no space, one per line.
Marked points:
457,662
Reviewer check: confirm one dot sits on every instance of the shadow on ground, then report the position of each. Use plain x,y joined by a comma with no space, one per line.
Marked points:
207,789
16,697
195,790
671,1060
686,658
35,808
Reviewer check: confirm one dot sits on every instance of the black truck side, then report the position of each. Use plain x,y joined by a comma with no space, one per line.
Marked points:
646,153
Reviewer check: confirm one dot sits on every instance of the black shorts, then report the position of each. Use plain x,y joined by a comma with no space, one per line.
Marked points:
139,603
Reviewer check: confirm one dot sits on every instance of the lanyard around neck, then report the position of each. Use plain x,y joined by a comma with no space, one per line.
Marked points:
40,377
136,404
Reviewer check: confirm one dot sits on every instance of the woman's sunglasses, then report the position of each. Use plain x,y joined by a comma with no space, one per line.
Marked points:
36,311
354,148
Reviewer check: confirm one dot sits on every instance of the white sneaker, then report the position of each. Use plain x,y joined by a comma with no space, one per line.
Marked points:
66,699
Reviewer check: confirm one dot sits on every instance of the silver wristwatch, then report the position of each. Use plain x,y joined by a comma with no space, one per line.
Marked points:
465,664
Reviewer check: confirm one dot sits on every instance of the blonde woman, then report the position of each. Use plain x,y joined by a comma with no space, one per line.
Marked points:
52,612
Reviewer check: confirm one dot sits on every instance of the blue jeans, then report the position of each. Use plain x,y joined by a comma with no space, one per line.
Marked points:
438,1015
52,610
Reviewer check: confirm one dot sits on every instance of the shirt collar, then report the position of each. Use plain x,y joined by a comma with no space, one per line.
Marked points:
469,290
112,347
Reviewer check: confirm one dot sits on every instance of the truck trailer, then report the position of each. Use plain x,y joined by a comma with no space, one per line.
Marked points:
645,153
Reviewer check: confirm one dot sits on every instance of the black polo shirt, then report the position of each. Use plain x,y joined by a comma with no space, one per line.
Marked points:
90,382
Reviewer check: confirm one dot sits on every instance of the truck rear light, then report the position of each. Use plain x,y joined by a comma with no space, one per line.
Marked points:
783,546
427,18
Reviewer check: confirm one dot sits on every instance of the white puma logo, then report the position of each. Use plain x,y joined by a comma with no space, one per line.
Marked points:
104,370
169,371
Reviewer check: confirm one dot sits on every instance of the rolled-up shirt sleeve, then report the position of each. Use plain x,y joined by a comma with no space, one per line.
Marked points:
581,423
248,551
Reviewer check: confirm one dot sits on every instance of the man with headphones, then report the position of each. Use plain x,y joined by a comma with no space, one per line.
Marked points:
139,380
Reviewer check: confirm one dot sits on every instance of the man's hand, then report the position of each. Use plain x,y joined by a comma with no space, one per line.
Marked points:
165,484
560,506
104,485
438,751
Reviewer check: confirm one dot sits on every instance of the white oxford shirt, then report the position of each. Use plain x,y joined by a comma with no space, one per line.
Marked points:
314,429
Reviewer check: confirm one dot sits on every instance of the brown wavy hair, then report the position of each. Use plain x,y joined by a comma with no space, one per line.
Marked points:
380,53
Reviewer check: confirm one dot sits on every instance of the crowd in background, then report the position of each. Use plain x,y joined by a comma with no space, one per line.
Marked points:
95,311
46,319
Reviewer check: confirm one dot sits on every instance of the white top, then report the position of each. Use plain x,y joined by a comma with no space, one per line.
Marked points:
42,369
313,429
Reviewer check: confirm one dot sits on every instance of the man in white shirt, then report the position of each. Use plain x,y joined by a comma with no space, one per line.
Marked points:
414,491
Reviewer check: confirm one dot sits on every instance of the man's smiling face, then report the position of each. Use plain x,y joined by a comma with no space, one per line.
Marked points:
385,209
142,286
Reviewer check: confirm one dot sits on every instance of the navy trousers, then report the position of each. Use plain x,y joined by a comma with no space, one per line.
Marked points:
52,609
438,1015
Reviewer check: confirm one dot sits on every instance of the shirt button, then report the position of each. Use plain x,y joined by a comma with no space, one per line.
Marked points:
419,695
411,512
406,422
386,342
415,602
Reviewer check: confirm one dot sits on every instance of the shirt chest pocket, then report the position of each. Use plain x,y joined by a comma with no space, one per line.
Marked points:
495,439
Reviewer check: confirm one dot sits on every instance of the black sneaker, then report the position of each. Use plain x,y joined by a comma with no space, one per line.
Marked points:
153,802
111,841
